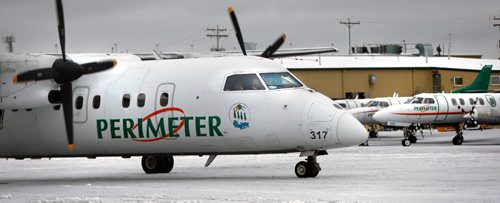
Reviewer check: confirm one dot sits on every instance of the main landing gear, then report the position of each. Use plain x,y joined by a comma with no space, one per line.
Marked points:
157,164
373,133
309,168
459,138
409,135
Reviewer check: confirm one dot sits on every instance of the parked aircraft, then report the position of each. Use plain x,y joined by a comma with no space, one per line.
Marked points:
365,114
119,105
441,108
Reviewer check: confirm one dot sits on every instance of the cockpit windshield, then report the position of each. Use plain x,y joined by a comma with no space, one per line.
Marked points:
280,80
416,100
372,103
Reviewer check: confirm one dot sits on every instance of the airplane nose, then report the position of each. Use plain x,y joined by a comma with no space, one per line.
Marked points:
381,116
350,131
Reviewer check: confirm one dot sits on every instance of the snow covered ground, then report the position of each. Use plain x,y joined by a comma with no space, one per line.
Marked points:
430,170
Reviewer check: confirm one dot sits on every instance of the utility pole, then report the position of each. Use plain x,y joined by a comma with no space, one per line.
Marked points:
9,40
349,24
497,25
216,33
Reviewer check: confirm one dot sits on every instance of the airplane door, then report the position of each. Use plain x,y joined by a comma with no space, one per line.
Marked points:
80,97
164,99
443,108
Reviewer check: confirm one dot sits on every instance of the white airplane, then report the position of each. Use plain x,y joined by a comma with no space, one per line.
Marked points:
443,108
365,114
353,103
157,109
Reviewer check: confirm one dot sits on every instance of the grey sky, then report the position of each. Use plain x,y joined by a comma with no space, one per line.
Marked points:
137,26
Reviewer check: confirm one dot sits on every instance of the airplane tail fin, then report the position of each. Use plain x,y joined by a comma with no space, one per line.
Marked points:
481,83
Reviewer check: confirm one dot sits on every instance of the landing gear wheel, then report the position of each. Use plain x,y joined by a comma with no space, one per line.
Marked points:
412,138
406,142
373,134
458,139
168,164
157,164
301,169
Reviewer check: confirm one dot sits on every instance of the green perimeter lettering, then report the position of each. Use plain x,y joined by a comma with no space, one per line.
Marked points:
124,128
425,108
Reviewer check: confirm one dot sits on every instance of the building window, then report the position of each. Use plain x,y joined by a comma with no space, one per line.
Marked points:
126,101
458,81
96,102
79,102
495,80
141,100
164,99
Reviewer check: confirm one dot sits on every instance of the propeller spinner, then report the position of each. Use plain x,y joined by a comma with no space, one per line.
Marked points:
64,72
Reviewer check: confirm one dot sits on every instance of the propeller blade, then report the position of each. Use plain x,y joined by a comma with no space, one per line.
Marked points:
93,67
60,28
67,103
35,75
274,47
237,29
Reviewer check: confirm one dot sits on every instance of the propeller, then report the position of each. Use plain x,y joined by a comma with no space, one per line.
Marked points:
64,72
469,115
268,52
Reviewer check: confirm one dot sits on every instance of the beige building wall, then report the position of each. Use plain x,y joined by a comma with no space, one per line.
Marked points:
335,83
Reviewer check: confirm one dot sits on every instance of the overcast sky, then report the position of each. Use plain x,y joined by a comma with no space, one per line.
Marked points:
137,26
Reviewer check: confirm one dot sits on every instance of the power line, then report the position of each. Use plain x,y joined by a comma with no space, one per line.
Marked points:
349,24
217,35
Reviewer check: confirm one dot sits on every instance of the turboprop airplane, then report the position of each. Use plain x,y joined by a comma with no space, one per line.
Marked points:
365,114
118,105
441,108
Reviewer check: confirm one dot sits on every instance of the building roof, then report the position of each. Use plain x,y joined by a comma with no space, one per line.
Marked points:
376,61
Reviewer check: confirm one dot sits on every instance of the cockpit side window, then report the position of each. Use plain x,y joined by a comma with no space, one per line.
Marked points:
428,101
384,104
280,80
241,82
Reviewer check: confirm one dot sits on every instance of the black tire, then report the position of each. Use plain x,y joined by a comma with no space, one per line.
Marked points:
406,142
413,138
167,164
152,164
457,140
302,170
373,134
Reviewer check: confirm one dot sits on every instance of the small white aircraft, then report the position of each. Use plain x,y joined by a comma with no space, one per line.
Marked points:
443,108
157,109
353,103
365,114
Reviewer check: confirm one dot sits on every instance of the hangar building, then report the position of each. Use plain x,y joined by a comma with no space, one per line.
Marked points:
372,76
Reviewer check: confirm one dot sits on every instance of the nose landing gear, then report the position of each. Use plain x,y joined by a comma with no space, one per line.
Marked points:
309,168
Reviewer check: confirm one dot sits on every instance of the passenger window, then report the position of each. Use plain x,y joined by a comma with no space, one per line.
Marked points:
164,99
79,102
454,101
491,100
96,102
462,102
428,101
471,101
126,101
141,100
481,101
243,82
